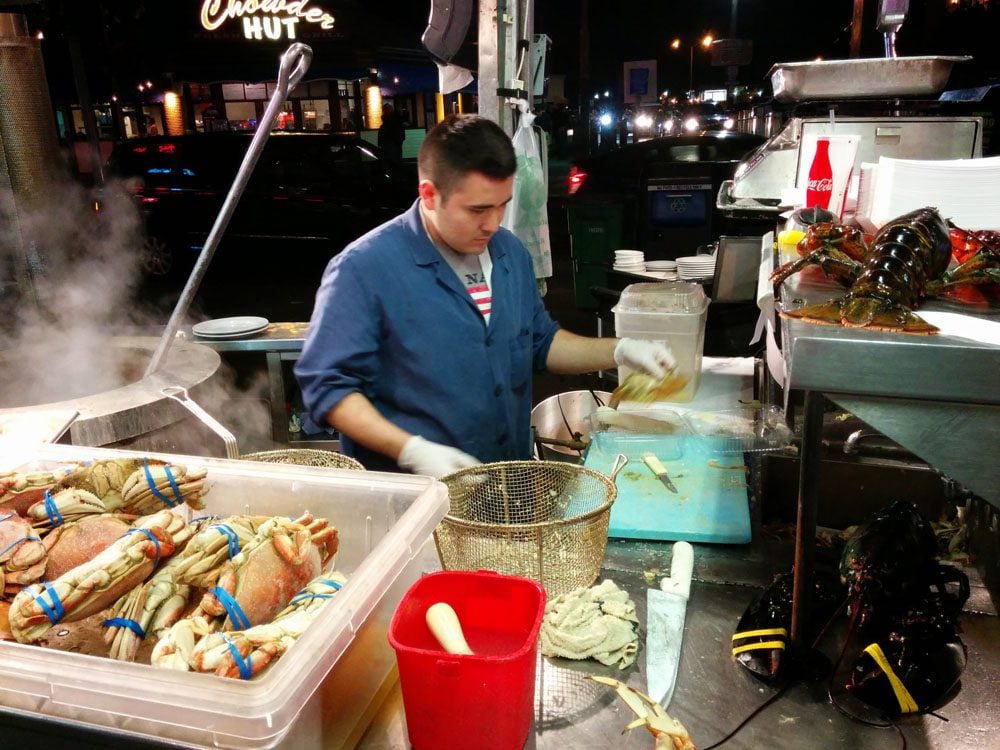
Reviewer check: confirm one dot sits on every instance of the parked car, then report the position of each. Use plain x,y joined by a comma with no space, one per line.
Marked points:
658,196
309,195
622,170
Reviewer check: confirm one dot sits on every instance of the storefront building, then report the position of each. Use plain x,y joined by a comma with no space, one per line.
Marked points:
222,78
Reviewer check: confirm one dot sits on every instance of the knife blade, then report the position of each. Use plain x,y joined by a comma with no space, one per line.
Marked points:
659,469
665,608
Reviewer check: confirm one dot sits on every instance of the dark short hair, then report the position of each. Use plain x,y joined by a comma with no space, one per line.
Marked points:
461,144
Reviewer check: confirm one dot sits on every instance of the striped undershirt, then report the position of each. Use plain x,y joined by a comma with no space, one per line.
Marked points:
474,271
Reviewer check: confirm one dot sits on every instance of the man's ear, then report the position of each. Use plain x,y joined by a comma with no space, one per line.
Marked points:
428,194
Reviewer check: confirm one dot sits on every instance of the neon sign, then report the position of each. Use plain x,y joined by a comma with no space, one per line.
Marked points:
264,19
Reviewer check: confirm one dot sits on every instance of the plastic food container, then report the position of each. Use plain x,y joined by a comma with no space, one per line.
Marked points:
669,311
483,701
319,694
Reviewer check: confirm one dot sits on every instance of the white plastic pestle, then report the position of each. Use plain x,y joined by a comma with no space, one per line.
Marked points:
444,624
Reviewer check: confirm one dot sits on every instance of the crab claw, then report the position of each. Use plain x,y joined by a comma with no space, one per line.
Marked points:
670,734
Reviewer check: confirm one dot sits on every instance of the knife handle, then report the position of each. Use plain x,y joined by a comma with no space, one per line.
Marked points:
681,566
654,464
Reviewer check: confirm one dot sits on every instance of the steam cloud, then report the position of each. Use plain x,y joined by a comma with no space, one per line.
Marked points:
69,281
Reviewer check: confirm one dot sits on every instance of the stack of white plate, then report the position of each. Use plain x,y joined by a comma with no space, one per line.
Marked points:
696,267
230,328
662,269
629,260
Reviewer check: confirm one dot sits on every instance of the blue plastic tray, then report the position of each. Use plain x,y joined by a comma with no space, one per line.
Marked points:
711,503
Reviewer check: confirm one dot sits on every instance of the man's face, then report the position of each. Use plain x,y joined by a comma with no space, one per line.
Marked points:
470,215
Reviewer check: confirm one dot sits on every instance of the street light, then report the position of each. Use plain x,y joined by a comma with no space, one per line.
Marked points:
706,42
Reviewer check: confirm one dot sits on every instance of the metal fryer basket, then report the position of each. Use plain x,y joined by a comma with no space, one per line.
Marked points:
546,520
305,457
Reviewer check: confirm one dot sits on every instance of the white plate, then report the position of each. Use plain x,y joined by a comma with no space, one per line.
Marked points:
224,328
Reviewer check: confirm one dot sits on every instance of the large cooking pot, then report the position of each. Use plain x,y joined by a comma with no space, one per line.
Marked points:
134,414
563,417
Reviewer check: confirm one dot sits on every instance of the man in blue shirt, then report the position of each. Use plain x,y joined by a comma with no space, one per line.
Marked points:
426,330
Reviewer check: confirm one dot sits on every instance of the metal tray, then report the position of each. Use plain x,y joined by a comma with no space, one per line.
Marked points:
861,78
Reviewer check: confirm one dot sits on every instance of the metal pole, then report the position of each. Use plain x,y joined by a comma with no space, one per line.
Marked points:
859,7
294,64
86,104
582,134
805,523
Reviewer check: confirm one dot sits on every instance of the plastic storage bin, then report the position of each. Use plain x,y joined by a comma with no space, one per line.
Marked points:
670,311
319,694
483,701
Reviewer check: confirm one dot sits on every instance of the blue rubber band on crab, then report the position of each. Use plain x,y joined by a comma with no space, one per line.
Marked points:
122,622
56,612
246,672
152,538
52,510
230,533
8,515
232,607
303,595
178,497
26,538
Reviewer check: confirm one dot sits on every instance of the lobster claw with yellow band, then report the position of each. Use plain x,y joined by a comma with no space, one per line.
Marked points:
912,670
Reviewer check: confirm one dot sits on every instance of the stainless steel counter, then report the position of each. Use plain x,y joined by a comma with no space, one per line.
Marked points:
938,396
713,694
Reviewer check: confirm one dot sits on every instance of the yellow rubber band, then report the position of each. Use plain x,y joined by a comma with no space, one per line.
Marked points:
754,633
906,703
765,646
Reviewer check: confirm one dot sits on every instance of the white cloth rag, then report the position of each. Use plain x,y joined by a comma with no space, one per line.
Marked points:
592,623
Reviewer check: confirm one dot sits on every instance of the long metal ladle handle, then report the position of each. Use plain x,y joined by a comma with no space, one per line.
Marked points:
180,395
294,64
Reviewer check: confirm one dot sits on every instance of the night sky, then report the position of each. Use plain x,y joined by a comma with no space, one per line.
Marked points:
125,39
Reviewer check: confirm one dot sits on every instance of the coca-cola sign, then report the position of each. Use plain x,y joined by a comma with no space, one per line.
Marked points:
823,185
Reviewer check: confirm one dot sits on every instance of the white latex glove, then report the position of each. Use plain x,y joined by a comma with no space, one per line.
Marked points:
433,459
651,357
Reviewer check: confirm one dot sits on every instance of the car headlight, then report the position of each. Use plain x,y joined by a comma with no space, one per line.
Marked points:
729,123
605,120
644,121
691,124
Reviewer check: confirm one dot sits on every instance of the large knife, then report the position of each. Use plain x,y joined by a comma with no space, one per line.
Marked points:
665,624
659,469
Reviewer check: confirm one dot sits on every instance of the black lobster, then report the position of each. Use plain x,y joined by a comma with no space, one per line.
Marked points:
903,605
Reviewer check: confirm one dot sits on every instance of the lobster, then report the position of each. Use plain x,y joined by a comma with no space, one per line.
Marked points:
915,664
906,261
760,642
903,606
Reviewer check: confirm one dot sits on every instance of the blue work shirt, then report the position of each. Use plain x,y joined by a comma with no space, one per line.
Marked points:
395,323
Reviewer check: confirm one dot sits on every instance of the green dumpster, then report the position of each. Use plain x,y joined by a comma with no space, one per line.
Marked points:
595,232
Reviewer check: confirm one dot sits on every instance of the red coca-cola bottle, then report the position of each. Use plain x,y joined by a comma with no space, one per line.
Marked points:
819,188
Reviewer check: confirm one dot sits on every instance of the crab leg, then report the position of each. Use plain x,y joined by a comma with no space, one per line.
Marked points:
670,734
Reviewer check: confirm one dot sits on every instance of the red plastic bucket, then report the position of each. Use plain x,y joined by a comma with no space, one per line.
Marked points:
484,701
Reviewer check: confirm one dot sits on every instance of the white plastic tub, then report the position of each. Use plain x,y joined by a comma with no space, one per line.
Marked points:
319,693
670,311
